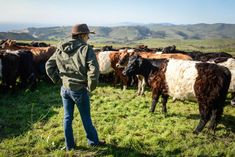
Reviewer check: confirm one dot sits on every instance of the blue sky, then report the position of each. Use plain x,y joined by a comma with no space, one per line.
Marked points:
106,12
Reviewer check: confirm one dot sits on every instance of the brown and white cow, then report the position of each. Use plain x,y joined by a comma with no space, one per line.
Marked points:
141,82
107,63
204,82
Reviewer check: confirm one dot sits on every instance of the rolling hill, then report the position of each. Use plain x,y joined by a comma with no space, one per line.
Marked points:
130,33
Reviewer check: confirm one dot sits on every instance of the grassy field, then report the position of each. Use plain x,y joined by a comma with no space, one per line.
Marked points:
31,125
216,45
31,122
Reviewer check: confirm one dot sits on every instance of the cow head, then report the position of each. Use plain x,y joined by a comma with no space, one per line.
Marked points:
8,44
123,59
133,66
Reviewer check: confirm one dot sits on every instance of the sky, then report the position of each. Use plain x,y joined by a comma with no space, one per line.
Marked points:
108,12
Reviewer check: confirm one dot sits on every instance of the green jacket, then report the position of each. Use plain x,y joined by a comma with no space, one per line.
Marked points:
75,64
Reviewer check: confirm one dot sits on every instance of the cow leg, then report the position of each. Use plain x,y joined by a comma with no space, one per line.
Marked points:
11,85
233,99
212,124
133,80
124,80
205,116
215,117
164,101
37,72
200,126
32,81
115,80
142,87
23,81
155,97
139,86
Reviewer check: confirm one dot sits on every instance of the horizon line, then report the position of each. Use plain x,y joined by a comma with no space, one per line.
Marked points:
13,26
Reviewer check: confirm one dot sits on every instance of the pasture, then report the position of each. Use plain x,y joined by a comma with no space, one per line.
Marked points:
210,45
31,121
31,125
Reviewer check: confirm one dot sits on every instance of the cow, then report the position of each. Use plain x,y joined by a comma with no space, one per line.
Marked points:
230,64
17,64
169,49
143,48
27,71
197,55
108,48
9,63
40,55
204,82
107,63
141,82
39,44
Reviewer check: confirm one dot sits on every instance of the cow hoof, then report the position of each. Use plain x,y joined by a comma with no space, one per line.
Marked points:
196,132
142,94
151,111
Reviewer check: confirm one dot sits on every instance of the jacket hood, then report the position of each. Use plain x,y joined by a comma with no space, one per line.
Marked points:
71,45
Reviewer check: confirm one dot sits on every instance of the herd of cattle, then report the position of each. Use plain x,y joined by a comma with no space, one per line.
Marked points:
22,65
203,77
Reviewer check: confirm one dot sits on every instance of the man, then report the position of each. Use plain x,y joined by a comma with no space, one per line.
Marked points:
75,64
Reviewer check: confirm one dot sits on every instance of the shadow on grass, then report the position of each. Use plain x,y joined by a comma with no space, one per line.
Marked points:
18,112
227,120
113,150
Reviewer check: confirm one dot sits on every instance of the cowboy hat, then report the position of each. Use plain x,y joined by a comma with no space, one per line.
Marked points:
81,29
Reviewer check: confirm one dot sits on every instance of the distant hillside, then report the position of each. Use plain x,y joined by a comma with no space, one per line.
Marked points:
133,33
16,36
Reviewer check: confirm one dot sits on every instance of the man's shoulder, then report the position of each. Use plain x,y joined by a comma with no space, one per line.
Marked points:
63,42
86,47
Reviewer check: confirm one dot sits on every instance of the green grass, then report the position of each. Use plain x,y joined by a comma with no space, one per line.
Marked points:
210,45
31,125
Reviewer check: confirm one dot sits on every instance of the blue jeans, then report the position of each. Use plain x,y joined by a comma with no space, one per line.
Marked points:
82,100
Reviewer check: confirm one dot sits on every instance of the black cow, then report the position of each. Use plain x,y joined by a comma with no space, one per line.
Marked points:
14,65
9,63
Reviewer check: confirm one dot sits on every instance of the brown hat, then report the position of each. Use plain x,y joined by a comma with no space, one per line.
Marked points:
81,29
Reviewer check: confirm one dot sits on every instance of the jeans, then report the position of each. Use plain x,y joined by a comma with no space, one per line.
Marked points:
82,100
